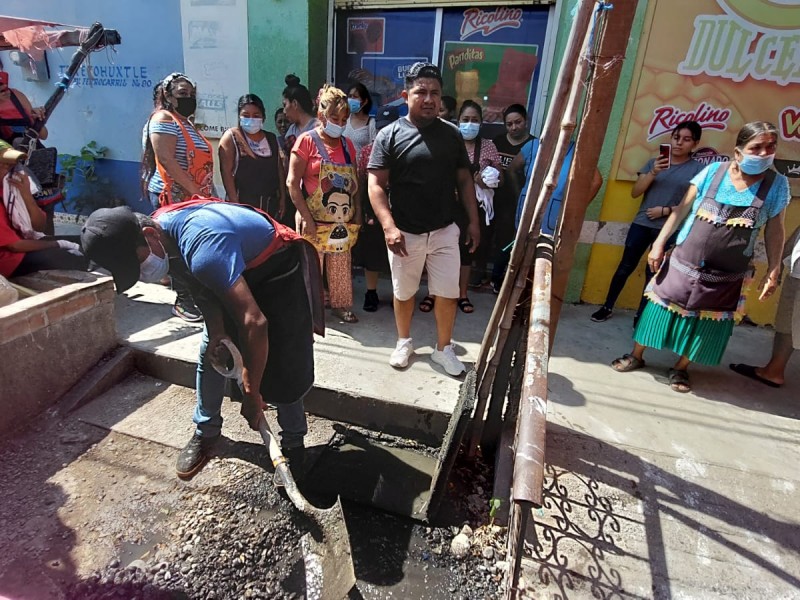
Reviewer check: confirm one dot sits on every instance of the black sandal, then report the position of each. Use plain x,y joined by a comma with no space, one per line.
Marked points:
679,381
426,305
466,306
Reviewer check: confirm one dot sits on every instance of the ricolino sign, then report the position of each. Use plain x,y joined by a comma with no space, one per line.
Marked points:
486,22
722,63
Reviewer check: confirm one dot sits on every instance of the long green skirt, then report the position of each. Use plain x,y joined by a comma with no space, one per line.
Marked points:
702,341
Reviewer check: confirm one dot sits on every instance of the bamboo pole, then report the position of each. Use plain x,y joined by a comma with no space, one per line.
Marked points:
561,121
611,46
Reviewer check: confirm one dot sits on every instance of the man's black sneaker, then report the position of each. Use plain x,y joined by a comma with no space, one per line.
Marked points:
186,310
602,314
371,301
194,455
496,285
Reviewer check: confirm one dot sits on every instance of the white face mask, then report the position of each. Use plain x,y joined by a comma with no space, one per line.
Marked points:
469,131
251,124
154,268
333,130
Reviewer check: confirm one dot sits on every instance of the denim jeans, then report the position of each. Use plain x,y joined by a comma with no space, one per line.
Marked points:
210,390
638,240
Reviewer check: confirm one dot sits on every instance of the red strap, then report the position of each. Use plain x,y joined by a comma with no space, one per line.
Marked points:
283,234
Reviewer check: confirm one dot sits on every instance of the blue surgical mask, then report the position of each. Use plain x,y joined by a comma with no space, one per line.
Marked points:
154,268
469,131
333,130
355,105
751,164
251,124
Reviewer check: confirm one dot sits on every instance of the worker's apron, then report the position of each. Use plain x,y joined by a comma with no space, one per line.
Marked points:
332,203
704,275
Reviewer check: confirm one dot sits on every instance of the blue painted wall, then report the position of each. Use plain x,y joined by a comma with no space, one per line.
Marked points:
113,110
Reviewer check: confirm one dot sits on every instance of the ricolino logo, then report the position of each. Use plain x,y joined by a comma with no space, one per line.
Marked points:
477,20
665,118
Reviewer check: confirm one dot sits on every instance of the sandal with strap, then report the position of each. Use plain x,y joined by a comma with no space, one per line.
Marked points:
679,381
626,363
426,305
348,316
465,305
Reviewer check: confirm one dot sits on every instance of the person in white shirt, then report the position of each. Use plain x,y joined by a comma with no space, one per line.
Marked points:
787,322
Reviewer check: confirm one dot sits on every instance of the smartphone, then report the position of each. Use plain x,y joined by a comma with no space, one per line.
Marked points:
665,151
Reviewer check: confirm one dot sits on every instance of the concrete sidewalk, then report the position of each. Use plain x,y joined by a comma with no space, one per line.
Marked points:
649,493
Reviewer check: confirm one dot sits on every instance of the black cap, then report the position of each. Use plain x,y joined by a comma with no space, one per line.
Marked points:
423,70
386,115
110,237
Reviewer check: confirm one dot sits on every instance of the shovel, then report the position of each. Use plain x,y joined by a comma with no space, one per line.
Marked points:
328,562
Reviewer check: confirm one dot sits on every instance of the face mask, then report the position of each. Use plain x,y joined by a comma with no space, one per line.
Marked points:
469,131
755,165
251,124
154,268
333,130
355,105
186,106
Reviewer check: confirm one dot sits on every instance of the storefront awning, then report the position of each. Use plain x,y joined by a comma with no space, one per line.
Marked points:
30,35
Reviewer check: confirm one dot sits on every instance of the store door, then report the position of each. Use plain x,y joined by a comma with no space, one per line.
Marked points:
490,54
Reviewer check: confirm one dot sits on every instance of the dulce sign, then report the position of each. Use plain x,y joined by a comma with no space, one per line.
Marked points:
721,63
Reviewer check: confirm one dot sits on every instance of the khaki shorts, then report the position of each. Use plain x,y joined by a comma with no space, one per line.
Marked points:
787,319
436,250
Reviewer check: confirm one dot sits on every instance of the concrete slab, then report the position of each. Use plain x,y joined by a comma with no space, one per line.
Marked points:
351,359
655,494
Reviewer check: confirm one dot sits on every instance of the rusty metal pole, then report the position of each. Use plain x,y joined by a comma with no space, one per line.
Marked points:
528,481
608,58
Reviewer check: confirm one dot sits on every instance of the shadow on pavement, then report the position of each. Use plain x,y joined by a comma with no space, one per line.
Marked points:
634,507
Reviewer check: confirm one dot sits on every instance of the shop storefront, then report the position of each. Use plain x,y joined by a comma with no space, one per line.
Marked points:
496,55
722,63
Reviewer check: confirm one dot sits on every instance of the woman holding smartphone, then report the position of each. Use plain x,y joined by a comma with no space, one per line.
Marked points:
664,181
697,295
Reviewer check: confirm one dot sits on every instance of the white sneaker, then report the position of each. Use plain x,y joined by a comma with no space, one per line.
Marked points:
446,357
402,352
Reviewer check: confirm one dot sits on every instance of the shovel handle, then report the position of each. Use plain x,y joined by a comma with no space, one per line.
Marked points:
280,464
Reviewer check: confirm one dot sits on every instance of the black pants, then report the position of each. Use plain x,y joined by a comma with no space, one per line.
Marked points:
50,259
639,239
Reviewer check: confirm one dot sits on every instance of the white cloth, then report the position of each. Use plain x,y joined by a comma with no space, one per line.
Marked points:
491,177
794,258
486,202
18,214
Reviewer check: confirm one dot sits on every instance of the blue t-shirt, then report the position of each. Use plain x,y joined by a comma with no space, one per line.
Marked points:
550,219
777,199
217,240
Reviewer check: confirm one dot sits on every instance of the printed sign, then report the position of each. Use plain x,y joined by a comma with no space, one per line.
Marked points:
721,63
366,35
215,56
493,75
491,56
486,22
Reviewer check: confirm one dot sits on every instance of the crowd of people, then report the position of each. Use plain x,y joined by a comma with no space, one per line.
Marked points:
345,182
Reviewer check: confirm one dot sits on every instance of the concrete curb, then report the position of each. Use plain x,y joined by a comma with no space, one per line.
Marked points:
101,378
402,420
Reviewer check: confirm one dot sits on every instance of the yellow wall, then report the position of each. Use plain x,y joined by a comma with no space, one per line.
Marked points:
618,206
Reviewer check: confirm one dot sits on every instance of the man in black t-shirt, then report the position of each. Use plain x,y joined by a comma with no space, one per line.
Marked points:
423,161
505,198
